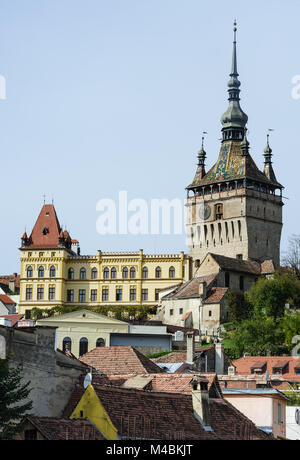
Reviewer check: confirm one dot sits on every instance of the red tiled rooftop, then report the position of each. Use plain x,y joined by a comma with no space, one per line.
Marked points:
119,360
244,365
55,429
14,318
7,300
179,356
139,414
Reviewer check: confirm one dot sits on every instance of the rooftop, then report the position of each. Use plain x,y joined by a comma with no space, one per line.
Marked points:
119,360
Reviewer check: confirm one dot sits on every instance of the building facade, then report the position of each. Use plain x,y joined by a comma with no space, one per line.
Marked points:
53,273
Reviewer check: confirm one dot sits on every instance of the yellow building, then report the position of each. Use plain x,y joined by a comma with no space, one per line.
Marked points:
53,273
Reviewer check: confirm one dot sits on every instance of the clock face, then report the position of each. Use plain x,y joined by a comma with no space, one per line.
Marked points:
204,211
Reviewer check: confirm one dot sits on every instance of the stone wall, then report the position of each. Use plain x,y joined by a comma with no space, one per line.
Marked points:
52,375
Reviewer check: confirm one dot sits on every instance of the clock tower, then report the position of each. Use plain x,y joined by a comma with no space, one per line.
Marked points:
236,209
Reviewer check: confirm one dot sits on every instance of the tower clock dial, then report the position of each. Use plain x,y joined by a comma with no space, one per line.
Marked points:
204,211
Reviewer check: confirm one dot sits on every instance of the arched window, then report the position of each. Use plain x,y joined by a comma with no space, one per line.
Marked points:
83,346
41,272
67,344
29,272
113,273
125,273
52,272
145,272
100,343
106,273
94,273
158,272
82,273
132,273
70,274
172,272
227,280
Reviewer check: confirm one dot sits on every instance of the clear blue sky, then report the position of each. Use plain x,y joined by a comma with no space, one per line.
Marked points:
113,95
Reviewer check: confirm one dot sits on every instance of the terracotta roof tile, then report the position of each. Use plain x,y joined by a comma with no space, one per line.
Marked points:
14,318
119,360
191,288
244,365
7,300
179,356
55,429
139,414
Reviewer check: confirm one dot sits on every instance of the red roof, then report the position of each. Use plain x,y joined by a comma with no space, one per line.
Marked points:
7,300
119,361
139,414
46,230
179,356
55,429
289,364
14,318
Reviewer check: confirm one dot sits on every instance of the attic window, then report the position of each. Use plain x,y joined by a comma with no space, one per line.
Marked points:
45,231
47,213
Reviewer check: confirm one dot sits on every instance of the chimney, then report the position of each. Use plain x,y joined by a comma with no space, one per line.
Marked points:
203,289
200,398
219,358
190,346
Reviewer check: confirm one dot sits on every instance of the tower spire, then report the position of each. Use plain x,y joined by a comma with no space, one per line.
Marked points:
268,168
234,119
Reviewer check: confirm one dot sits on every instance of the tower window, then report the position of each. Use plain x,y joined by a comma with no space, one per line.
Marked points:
219,211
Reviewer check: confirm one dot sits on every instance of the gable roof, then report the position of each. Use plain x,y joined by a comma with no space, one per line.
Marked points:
7,300
139,414
121,360
238,265
13,318
180,355
56,429
191,287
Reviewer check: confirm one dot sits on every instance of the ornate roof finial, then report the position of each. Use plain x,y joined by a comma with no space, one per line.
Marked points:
268,169
202,154
234,117
245,144
268,151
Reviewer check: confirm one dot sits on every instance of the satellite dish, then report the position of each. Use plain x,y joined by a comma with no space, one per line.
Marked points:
87,380
297,416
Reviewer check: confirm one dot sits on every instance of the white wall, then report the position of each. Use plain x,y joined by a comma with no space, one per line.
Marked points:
292,428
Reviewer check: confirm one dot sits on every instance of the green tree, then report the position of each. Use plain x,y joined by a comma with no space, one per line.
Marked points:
12,395
238,305
290,324
257,337
269,296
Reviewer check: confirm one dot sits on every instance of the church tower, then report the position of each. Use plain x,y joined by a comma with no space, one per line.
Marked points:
236,209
